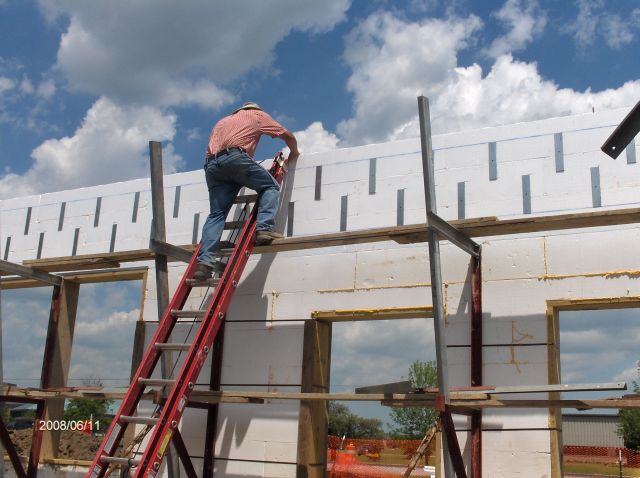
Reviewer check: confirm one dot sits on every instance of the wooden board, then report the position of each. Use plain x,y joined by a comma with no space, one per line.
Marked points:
466,400
476,227
81,277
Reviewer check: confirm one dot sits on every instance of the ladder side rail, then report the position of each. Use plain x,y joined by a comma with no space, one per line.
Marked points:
178,397
175,405
151,357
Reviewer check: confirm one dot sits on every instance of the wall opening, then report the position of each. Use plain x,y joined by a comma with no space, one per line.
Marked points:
366,353
345,350
88,341
596,342
104,333
25,315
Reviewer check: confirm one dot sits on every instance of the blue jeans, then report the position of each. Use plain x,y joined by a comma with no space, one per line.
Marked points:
225,177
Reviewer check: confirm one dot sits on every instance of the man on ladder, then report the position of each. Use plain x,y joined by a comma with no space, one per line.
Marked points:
228,167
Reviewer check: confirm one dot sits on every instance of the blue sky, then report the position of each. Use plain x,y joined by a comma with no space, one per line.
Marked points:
84,85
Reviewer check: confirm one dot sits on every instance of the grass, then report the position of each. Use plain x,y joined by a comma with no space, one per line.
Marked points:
391,456
597,469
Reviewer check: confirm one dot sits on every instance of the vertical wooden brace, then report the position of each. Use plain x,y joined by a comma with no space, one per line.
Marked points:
476,364
212,414
57,356
313,423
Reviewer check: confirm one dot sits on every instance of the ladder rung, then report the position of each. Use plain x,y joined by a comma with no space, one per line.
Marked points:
161,382
139,420
203,283
173,347
188,313
119,461
245,198
233,224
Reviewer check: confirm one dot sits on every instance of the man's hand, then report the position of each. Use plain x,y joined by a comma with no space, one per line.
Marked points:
291,142
293,155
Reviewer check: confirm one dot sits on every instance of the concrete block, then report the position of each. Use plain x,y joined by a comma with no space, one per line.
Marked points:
244,430
275,358
581,252
224,468
297,273
504,259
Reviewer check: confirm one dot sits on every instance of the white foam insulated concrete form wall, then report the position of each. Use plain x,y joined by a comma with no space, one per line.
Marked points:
543,167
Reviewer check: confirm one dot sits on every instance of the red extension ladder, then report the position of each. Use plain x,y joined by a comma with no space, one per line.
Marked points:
165,424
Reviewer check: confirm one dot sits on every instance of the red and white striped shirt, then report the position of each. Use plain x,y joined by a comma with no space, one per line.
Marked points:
243,130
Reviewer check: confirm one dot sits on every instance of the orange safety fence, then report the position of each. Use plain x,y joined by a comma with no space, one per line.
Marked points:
602,455
374,458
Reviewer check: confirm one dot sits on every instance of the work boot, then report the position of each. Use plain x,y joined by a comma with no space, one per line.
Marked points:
265,237
203,272
219,267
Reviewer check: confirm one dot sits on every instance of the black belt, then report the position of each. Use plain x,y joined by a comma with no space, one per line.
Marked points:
224,151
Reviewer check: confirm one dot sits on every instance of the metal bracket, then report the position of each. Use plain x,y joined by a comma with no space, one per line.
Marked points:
447,231
623,134
30,273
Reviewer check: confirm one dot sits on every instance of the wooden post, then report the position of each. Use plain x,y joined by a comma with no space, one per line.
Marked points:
57,356
136,357
555,415
158,232
313,422
212,413
476,364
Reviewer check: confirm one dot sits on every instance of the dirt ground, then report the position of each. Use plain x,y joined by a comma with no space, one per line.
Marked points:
73,445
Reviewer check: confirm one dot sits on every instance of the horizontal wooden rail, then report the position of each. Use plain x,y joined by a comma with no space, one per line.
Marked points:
477,227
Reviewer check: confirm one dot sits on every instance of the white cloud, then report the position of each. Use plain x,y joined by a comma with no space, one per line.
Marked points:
393,61
26,86
97,330
194,134
159,52
6,84
617,31
110,145
365,353
584,26
315,139
593,21
525,21
629,375
46,89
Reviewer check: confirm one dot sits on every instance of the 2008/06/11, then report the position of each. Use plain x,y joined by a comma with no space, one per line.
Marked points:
73,425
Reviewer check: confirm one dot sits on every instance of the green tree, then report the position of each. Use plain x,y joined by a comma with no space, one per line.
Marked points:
629,423
343,422
81,409
413,422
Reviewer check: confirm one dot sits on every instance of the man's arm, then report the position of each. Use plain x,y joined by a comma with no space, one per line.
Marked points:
291,142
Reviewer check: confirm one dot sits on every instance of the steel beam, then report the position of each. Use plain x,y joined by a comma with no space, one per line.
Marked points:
29,273
451,449
181,449
36,440
450,233
455,455
395,387
623,134
11,450
577,387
